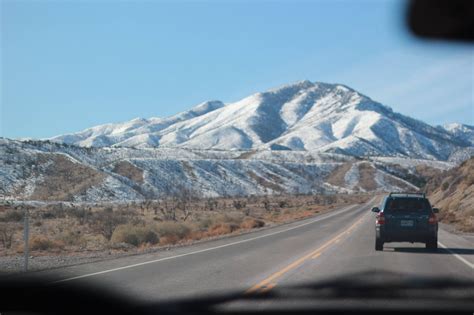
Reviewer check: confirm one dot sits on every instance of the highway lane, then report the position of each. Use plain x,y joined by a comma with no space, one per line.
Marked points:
355,253
328,245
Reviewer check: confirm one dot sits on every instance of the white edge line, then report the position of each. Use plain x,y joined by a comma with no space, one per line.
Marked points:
212,248
469,264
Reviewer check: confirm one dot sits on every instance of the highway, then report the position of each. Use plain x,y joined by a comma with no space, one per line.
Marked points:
328,245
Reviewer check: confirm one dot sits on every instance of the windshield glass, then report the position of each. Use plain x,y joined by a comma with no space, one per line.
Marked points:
407,205
185,149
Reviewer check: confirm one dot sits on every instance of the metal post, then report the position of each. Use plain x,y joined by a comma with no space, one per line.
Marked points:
26,237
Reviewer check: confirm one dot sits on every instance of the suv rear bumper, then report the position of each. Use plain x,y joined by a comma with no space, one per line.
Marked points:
406,236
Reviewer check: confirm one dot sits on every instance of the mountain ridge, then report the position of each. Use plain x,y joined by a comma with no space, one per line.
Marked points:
48,171
300,116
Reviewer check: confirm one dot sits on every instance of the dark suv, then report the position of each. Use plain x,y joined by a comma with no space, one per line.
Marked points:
406,217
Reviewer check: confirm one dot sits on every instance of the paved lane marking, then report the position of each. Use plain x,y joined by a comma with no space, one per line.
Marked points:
268,287
262,285
320,218
469,264
316,255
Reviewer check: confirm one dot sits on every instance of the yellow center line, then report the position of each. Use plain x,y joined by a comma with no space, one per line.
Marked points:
316,255
268,287
263,285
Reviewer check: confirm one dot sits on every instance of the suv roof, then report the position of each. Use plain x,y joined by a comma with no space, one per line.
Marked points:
404,195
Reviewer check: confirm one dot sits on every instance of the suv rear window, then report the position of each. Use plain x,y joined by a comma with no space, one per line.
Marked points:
407,205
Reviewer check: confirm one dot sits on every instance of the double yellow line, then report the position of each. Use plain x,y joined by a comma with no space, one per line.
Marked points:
270,282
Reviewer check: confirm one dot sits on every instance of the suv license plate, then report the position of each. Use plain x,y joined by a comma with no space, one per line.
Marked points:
406,222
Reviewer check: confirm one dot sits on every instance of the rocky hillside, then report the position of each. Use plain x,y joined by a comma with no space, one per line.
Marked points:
453,192
38,170
461,131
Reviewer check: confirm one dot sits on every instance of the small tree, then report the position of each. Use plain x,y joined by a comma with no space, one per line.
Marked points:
211,204
183,197
105,222
239,204
168,210
283,203
7,231
266,204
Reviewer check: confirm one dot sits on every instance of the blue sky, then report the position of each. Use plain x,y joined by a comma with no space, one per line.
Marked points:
68,65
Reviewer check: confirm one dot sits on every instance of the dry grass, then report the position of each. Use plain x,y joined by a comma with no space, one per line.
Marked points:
128,170
222,228
265,183
366,177
40,242
397,182
251,223
172,229
63,178
134,235
68,228
337,177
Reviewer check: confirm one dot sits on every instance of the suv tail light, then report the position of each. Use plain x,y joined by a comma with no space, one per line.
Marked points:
380,219
432,219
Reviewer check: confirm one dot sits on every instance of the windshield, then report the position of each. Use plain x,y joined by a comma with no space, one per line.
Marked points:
407,205
185,149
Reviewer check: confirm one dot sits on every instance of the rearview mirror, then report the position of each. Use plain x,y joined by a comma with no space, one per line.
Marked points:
375,209
435,210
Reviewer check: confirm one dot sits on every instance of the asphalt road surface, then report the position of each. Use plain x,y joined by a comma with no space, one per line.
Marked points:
332,244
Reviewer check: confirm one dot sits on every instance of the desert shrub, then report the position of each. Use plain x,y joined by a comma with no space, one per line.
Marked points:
251,223
106,221
228,218
239,204
283,204
72,238
169,239
445,186
94,242
134,235
40,242
12,216
266,205
7,231
204,223
47,215
56,212
222,228
172,229
196,235
81,214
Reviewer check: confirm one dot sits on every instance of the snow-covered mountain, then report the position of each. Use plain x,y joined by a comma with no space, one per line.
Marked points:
301,116
138,132
460,131
299,138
